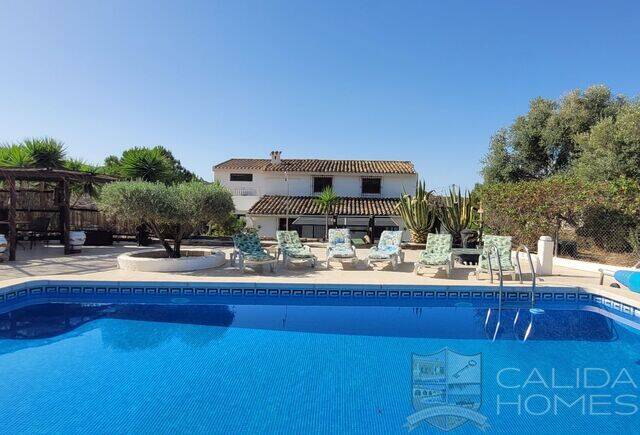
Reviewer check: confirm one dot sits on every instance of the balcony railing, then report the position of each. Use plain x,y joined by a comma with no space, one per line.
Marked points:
245,191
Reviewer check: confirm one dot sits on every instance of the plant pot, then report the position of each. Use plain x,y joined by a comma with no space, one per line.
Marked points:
142,235
98,238
469,239
76,240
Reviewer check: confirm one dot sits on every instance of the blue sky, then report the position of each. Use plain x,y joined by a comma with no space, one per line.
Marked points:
423,81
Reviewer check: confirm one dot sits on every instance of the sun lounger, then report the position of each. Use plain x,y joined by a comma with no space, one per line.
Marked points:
292,250
436,255
339,247
248,251
503,243
387,250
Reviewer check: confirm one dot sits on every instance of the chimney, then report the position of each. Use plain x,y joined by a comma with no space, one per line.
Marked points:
275,157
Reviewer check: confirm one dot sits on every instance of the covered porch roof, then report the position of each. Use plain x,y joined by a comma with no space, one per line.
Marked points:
275,205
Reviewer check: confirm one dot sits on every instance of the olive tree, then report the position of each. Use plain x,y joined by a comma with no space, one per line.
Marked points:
173,212
551,136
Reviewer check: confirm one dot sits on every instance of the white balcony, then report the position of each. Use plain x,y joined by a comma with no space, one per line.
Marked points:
245,191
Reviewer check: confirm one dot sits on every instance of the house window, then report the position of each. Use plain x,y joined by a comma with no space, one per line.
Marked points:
282,224
371,186
241,177
321,183
304,231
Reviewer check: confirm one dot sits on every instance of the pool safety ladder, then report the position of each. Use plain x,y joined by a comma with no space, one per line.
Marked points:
532,309
525,249
494,249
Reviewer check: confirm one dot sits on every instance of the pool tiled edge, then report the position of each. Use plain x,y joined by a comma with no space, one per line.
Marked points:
346,293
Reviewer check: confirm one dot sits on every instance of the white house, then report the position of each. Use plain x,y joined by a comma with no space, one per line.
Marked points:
278,193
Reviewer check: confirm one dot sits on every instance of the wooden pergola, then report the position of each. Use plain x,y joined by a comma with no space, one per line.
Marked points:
59,176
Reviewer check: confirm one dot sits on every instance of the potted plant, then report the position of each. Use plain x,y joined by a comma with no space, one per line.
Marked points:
457,213
459,216
76,240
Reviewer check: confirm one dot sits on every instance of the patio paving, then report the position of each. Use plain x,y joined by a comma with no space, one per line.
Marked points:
100,263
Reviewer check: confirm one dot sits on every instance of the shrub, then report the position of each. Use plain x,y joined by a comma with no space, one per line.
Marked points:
603,212
529,209
172,212
609,229
228,227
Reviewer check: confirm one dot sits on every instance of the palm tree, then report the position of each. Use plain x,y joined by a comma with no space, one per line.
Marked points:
80,189
327,200
46,152
146,164
15,155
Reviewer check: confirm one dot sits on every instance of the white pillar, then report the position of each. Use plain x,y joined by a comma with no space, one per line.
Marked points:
545,255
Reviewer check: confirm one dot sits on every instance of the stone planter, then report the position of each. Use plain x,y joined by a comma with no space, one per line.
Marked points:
157,261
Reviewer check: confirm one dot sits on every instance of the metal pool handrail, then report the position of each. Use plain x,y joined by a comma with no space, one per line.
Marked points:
525,249
493,249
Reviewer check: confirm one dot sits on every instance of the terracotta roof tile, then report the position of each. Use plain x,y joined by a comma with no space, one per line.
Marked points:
329,166
305,205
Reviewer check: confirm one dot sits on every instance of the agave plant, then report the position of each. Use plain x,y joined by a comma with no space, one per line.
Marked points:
457,213
418,212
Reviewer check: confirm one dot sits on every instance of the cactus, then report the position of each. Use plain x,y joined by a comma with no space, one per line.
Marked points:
457,213
418,212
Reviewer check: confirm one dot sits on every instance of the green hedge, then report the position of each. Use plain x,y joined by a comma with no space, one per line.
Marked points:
526,210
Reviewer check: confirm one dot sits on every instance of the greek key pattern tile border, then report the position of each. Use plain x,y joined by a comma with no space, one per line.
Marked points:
343,292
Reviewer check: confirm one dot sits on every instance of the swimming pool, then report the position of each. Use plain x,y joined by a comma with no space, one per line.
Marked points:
220,362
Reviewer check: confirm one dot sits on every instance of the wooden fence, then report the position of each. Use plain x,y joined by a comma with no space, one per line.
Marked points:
84,215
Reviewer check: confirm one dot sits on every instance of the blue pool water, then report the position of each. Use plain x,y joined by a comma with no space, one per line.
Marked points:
182,368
